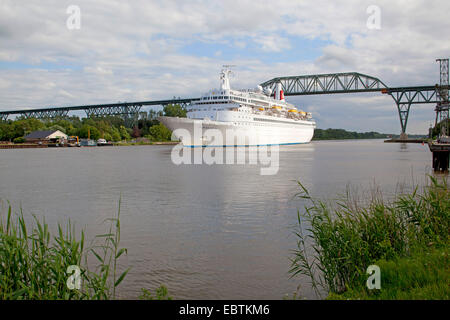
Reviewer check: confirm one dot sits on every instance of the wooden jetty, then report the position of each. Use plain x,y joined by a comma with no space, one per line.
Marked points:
441,151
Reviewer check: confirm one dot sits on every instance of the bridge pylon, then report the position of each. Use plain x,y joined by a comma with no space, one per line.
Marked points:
403,112
442,106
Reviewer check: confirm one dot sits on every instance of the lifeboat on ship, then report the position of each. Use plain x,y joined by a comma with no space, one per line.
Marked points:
276,109
292,113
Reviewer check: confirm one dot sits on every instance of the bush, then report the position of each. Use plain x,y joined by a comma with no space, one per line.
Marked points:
19,140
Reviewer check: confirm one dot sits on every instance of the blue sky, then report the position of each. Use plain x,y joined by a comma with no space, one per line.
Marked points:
245,48
149,50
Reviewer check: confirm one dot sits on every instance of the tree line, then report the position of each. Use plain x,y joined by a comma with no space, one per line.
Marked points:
335,134
111,128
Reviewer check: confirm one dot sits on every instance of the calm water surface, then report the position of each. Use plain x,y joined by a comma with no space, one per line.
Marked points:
206,232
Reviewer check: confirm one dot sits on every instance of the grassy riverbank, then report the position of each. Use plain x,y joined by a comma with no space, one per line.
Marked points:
408,238
35,264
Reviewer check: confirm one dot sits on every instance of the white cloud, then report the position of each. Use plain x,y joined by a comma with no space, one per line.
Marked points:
273,43
126,50
98,70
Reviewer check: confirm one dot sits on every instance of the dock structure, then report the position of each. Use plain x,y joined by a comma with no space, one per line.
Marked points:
441,147
393,140
22,146
441,152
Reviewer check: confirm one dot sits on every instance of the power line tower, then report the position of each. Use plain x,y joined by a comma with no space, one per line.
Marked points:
442,107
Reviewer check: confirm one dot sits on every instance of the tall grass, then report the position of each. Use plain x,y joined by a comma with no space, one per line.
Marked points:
422,275
33,263
335,244
103,282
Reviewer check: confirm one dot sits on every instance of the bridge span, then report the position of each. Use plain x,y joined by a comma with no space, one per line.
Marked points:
124,109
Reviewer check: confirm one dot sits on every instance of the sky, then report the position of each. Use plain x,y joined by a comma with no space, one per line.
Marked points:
150,50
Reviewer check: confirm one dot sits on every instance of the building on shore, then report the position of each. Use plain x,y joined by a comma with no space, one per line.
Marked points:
46,136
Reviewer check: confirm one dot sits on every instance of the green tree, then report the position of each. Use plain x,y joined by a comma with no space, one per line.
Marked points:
67,125
115,134
160,133
22,127
124,133
107,136
87,130
57,127
5,131
174,110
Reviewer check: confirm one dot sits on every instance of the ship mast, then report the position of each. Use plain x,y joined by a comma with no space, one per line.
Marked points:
225,77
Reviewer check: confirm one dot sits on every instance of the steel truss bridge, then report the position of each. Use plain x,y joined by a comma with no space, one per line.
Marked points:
354,82
127,110
333,83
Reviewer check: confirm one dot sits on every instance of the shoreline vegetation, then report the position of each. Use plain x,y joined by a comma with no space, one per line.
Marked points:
115,129
39,265
407,238
341,134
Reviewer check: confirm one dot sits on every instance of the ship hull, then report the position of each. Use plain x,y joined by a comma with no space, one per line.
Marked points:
196,132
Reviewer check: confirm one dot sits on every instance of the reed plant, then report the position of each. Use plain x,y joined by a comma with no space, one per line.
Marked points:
336,243
34,264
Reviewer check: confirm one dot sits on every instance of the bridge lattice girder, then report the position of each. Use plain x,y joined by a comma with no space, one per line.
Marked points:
414,95
46,114
326,83
128,110
354,82
405,96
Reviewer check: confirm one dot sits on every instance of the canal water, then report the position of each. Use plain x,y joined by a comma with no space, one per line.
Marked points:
204,231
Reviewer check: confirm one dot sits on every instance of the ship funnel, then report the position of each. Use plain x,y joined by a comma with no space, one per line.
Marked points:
278,92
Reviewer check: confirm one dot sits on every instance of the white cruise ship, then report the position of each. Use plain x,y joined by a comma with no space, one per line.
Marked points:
226,117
